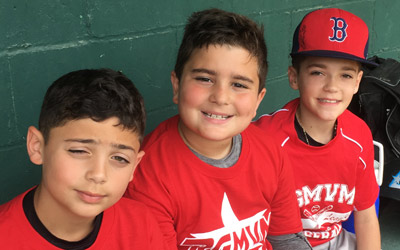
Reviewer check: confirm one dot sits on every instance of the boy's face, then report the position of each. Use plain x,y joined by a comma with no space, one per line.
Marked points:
217,94
326,86
86,166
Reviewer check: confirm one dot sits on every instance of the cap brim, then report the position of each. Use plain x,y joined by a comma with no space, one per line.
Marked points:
334,54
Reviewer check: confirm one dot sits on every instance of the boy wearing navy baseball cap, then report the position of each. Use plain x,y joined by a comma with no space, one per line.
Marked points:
330,148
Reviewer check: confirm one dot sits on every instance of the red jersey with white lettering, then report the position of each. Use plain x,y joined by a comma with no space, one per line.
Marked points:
125,225
200,206
331,180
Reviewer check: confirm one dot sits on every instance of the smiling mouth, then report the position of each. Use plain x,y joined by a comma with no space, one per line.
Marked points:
90,197
218,117
328,101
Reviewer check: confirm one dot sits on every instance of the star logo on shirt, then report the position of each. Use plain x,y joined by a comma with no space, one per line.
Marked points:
248,233
396,181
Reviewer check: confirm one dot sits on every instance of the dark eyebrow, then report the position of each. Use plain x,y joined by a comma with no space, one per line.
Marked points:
322,66
212,72
243,78
318,65
85,141
202,70
349,68
91,141
122,146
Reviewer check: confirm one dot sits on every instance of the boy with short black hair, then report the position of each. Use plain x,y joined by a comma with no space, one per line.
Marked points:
330,148
209,179
90,129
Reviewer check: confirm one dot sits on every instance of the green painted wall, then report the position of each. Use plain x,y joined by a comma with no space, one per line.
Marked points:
41,40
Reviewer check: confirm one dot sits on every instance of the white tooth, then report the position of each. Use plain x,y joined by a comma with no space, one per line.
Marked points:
329,101
216,116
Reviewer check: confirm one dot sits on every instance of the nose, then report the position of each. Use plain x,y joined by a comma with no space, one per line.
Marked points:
97,172
220,94
330,85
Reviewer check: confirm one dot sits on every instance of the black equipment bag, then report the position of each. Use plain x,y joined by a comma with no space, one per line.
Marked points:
377,102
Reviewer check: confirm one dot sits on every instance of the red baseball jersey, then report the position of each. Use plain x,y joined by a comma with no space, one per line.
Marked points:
331,180
125,225
200,206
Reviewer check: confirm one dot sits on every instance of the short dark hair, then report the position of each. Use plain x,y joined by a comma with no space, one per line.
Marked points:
98,94
219,27
297,60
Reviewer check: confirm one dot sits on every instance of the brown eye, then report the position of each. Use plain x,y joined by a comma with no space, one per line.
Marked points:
120,159
203,79
316,73
347,76
239,85
77,151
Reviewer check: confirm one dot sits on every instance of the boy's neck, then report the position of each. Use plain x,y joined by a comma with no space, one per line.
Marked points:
320,131
61,224
208,148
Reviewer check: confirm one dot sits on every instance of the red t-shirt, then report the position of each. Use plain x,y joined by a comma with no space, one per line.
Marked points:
125,225
200,206
331,180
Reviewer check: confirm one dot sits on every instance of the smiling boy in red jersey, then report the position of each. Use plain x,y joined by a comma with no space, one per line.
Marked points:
90,128
208,177
330,149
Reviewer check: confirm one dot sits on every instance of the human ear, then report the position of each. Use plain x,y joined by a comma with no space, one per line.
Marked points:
260,97
34,145
138,159
292,75
358,81
175,87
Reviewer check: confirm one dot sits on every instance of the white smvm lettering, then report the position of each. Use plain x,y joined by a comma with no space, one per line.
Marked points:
345,195
306,195
330,196
314,195
300,199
